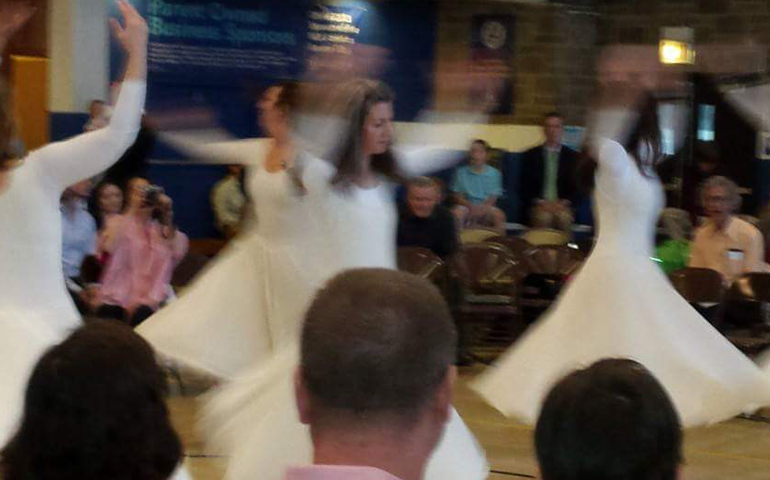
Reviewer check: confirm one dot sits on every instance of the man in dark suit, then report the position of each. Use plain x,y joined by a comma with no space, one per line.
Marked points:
548,181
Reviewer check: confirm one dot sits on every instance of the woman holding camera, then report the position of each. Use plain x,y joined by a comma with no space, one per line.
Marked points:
144,247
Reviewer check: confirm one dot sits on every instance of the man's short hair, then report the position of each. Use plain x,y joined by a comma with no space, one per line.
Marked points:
481,142
612,420
422,182
553,114
376,342
730,187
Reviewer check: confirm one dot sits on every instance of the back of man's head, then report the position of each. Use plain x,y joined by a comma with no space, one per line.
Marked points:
377,349
610,421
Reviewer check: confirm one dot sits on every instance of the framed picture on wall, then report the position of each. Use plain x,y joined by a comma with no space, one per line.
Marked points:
492,42
763,145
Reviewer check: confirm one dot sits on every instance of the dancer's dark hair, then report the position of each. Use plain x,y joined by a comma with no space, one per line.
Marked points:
360,96
94,409
645,138
288,100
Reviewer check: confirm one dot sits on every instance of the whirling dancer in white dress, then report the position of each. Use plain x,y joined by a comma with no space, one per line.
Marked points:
35,309
254,418
250,301
621,304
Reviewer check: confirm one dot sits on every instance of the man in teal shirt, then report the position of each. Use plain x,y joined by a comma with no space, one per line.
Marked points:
477,186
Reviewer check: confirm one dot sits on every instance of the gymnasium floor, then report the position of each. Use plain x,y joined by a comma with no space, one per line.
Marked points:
737,449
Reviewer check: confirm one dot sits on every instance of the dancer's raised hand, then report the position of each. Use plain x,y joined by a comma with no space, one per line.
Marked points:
132,36
13,16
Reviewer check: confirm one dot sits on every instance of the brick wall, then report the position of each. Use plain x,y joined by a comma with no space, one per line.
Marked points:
716,23
553,61
556,46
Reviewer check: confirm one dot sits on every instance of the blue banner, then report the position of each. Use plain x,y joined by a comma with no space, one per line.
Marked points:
224,52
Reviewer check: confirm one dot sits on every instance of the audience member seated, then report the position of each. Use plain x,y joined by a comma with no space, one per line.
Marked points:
425,223
99,114
106,200
367,402
548,179
477,186
144,247
94,410
229,201
78,241
610,421
726,243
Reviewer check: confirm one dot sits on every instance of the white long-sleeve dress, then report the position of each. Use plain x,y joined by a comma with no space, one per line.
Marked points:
253,418
36,310
241,319
250,300
620,304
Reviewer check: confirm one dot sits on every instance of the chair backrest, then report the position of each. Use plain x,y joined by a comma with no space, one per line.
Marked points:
546,236
516,245
476,235
553,259
675,224
751,286
188,268
699,285
488,268
419,261
207,246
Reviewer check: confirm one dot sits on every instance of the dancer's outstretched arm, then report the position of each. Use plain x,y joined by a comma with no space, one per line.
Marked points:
67,162
249,152
423,150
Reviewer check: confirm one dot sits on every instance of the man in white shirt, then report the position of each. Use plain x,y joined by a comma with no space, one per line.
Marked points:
726,243
376,376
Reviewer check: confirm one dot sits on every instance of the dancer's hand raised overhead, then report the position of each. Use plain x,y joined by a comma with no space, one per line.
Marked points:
132,36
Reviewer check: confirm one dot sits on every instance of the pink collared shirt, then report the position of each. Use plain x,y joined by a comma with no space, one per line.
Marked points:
141,263
337,472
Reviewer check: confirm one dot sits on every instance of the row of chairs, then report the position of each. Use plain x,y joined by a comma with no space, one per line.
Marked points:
506,283
741,311
531,237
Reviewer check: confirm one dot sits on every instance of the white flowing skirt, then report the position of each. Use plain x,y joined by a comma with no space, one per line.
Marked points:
620,306
239,310
23,340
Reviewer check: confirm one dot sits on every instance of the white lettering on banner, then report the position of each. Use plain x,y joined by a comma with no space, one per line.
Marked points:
333,27
168,54
332,17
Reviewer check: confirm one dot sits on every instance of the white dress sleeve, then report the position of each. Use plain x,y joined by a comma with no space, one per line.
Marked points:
613,166
436,141
414,161
249,152
67,162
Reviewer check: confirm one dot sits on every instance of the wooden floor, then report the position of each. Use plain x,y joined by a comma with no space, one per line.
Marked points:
737,449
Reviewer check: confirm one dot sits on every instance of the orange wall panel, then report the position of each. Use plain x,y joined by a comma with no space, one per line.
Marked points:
29,84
